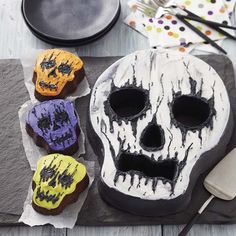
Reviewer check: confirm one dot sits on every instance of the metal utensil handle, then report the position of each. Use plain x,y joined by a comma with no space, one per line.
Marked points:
214,25
189,225
222,32
208,22
193,28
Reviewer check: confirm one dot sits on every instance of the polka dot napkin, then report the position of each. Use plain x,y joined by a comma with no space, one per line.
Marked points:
168,31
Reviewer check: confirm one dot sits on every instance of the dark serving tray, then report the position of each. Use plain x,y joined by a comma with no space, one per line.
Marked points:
15,173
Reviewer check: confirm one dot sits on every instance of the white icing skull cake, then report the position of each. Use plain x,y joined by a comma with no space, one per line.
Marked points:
157,121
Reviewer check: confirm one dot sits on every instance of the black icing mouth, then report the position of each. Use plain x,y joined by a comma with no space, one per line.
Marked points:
47,196
45,85
61,139
144,166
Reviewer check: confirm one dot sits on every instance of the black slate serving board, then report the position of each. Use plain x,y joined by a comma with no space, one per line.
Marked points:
15,173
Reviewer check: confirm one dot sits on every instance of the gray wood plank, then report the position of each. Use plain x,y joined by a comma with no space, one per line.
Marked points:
209,230
116,231
36,231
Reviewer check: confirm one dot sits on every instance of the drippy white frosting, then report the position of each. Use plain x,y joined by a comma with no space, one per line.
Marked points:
162,72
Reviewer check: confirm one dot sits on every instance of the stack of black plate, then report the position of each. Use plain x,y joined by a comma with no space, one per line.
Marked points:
70,22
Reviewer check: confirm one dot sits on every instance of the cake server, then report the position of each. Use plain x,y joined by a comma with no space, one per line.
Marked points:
220,182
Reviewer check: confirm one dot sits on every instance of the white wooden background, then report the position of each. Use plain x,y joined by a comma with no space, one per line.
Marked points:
16,40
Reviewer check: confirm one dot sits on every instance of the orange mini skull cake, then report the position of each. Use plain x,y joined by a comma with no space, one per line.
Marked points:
57,73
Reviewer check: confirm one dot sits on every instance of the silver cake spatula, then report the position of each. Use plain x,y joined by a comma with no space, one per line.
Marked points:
220,182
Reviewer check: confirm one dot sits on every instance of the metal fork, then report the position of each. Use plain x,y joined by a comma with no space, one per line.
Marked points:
160,2
145,8
151,7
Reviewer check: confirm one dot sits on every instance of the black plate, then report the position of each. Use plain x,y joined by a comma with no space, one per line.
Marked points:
70,22
71,43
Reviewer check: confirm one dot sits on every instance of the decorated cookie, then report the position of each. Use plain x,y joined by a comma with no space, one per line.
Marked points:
157,120
53,125
57,73
57,182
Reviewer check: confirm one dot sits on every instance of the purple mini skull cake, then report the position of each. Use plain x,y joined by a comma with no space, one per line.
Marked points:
53,125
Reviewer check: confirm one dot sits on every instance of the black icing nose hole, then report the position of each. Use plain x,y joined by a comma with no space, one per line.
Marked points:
152,138
190,111
128,102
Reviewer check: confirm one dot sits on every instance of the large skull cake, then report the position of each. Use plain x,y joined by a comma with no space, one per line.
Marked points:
158,120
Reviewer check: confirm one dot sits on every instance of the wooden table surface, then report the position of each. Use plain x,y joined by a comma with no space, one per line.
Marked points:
16,40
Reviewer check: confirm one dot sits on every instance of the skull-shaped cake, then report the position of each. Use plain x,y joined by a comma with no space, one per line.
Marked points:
158,120
54,126
57,73
57,182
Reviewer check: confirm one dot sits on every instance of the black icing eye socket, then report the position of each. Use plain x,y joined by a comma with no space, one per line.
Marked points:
47,173
65,180
61,117
44,122
128,102
191,111
64,68
47,64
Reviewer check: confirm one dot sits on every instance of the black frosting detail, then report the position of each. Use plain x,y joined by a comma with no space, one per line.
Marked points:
62,138
193,84
65,68
44,122
131,180
152,137
47,64
46,196
139,181
66,179
128,103
171,140
49,172
94,96
134,124
61,116
53,72
117,175
206,109
34,112
121,141
115,97
152,58
53,181
110,145
160,99
55,126
45,85
166,170
103,126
